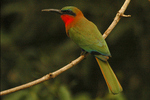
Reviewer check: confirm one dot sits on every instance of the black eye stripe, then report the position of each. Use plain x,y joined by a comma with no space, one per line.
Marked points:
69,12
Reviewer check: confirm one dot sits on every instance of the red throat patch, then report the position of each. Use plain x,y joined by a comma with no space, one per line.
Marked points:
67,19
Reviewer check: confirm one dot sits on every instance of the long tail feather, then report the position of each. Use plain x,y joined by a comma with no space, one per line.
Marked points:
110,77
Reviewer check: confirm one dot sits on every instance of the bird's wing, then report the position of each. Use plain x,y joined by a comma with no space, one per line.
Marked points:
89,38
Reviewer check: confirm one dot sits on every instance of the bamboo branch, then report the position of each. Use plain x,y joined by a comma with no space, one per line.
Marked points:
74,62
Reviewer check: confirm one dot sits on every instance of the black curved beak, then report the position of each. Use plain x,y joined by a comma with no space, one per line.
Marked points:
53,10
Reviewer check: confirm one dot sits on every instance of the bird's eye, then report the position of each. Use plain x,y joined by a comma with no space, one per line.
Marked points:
69,12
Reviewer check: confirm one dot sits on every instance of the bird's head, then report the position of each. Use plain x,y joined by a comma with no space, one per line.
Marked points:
68,13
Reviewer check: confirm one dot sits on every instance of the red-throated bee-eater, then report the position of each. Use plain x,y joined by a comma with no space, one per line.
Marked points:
86,34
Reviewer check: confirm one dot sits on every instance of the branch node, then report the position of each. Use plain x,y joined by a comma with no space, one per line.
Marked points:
51,75
123,15
72,63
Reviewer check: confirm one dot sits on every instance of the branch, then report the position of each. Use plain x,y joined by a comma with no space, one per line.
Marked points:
117,18
46,77
74,62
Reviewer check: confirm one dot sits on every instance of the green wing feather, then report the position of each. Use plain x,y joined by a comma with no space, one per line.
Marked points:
88,37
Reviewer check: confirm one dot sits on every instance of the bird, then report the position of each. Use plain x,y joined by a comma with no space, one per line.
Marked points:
87,36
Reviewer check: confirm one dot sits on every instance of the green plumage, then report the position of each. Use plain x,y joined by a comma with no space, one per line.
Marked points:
85,34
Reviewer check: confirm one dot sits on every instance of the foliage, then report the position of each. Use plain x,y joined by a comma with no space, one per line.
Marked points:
34,43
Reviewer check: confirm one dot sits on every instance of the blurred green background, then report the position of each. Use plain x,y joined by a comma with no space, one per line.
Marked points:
34,43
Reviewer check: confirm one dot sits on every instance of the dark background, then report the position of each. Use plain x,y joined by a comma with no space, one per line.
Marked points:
34,43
